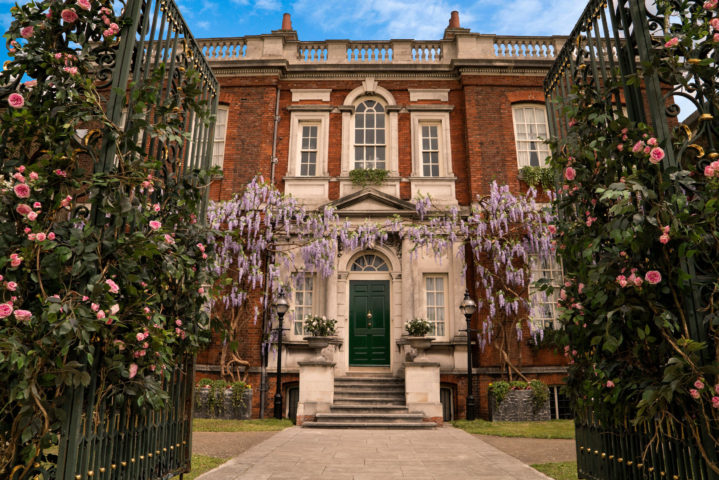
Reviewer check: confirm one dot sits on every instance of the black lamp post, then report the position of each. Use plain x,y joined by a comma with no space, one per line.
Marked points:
281,307
468,307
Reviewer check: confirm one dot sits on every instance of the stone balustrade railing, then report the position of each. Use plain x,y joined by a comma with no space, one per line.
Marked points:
468,46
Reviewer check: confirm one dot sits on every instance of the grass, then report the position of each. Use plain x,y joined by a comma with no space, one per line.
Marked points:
559,471
549,429
218,425
202,464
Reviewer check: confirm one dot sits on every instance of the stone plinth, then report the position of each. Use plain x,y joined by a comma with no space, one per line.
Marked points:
421,387
317,389
517,407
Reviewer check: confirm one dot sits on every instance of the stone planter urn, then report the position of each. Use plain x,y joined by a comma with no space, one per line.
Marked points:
420,344
317,344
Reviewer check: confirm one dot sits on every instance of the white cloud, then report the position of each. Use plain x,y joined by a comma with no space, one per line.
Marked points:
385,18
271,5
533,17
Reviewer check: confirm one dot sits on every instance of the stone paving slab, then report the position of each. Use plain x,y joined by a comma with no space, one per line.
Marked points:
445,453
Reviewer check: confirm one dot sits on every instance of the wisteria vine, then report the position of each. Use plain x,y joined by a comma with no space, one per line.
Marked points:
264,233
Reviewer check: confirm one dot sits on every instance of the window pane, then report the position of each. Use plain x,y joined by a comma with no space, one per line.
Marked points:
361,107
369,121
370,137
380,121
380,137
359,136
380,154
379,108
359,120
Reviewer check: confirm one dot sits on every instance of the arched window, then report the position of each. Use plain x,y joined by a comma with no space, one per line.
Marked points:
369,263
370,143
530,128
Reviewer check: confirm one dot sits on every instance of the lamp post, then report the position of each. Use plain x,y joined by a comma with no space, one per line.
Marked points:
281,307
468,307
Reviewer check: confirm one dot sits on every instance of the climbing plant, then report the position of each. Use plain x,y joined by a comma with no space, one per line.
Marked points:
100,270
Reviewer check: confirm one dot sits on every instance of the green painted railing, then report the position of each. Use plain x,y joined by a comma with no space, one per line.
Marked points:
108,438
652,453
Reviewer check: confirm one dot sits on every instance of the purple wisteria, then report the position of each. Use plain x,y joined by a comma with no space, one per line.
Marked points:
266,236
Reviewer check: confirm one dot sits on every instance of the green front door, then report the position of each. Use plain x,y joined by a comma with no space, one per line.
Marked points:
369,322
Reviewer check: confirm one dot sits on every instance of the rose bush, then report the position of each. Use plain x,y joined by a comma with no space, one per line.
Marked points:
101,269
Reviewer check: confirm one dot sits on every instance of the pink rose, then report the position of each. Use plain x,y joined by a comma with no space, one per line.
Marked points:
656,155
652,141
21,190
552,229
84,4
715,402
37,205
638,281
610,384
638,147
119,344
114,288
32,216
699,385
155,225
653,277
69,15
715,37
85,298
710,4
66,201
140,336
664,238
41,237
146,310
620,147
31,237
716,388
580,287
15,260
169,240
622,281
51,236
672,43
19,177
5,310
200,290
156,207
12,286
570,174
23,209
26,32
114,309
100,315
694,394
708,171
15,100
133,370
94,307
71,70
22,315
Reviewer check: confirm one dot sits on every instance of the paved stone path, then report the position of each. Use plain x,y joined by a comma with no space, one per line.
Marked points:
445,453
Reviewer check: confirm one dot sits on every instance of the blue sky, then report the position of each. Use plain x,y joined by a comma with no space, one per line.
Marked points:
367,19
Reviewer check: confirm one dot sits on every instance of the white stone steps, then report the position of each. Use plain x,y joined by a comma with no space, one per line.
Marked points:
390,425
368,409
369,417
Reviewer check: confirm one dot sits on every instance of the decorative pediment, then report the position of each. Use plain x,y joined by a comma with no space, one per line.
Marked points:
370,201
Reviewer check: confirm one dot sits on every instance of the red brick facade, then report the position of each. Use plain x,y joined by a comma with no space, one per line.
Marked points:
481,93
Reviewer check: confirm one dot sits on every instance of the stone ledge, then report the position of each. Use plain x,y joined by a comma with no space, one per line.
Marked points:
316,363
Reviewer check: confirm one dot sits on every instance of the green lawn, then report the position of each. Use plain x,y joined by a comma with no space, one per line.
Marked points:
559,471
550,429
202,464
217,425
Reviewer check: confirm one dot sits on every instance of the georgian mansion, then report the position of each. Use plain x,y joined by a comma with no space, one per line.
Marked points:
444,118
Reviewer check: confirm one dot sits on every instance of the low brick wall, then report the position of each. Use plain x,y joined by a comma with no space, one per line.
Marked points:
517,407
229,411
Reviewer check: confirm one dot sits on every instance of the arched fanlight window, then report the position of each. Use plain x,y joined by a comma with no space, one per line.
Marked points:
370,135
369,263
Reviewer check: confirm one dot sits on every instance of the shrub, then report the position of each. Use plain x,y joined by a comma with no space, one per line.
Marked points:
320,326
418,327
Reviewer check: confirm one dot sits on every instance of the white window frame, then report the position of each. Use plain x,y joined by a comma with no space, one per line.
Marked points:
556,273
294,157
353,137
445,287
220,136
521,144
303,149
441,120
299,319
